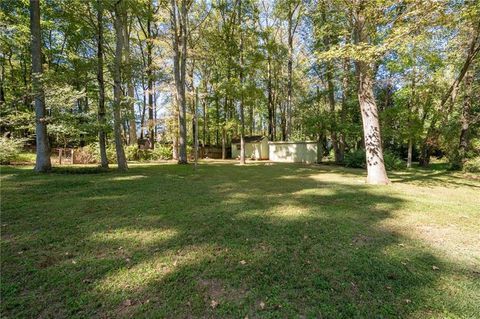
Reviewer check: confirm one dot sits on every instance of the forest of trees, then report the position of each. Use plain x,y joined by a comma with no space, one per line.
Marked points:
381,78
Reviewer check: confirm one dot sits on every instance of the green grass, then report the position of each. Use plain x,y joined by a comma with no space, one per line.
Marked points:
269,241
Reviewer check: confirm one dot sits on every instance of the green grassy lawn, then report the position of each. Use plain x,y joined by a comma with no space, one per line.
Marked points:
262,240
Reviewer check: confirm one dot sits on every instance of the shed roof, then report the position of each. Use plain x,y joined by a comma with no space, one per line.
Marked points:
249,139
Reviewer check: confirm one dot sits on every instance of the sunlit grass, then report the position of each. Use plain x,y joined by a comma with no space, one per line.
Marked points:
259,240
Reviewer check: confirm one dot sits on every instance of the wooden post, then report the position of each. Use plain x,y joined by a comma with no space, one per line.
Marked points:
60,156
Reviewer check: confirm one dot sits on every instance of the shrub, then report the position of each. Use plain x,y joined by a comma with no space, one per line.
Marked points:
355,159
86,155
392,161
162,152
472,165
10,148
132,153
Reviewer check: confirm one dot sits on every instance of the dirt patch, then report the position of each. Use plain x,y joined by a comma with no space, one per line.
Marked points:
361,240
216,290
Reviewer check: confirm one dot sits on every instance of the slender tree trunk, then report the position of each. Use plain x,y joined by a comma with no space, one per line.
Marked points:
224,133
376,173
331,102
242,110
151,133
117,87
101,89
205,119
42,162
465,117
410,152
287,128
271,107
132,128
343,111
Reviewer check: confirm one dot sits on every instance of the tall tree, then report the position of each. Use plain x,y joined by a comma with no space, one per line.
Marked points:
179,20
376,172
101,88
117,85
242,110
132,127
42,162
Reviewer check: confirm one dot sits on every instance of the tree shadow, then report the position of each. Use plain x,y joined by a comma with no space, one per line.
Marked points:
226,241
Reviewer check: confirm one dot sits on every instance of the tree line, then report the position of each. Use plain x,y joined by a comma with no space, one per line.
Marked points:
395,77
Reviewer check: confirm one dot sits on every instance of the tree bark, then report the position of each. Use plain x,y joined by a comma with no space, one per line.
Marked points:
179,39
410,152
465,117
376,173
271,106
151,133
132,127
343,111
117,87
42,162
101,89
331,102
242,111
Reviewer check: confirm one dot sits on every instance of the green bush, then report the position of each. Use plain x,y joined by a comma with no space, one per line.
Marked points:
355,159
162,152
133,153
472,165
393,161
10,148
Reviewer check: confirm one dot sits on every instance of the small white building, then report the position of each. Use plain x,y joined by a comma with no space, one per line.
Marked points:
293,152
256,147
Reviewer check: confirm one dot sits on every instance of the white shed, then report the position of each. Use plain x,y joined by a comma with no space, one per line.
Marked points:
293,152
256,147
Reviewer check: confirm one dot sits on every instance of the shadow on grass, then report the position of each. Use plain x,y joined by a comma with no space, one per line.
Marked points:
227,241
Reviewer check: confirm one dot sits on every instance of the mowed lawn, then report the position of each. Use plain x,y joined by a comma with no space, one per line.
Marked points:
226,241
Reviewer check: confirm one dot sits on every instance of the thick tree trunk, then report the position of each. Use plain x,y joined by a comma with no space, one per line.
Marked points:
102,139
42,162
371,127
117,88
376,173
179,25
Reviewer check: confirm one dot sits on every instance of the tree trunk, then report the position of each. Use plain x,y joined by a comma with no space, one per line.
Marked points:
101,89
42,162
286,130
343,111
151,133
132,127
331,102
410,152
242,111
465,117
271,107
117,87
179,26
376,173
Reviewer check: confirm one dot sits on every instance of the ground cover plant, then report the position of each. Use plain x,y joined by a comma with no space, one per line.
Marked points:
229,241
